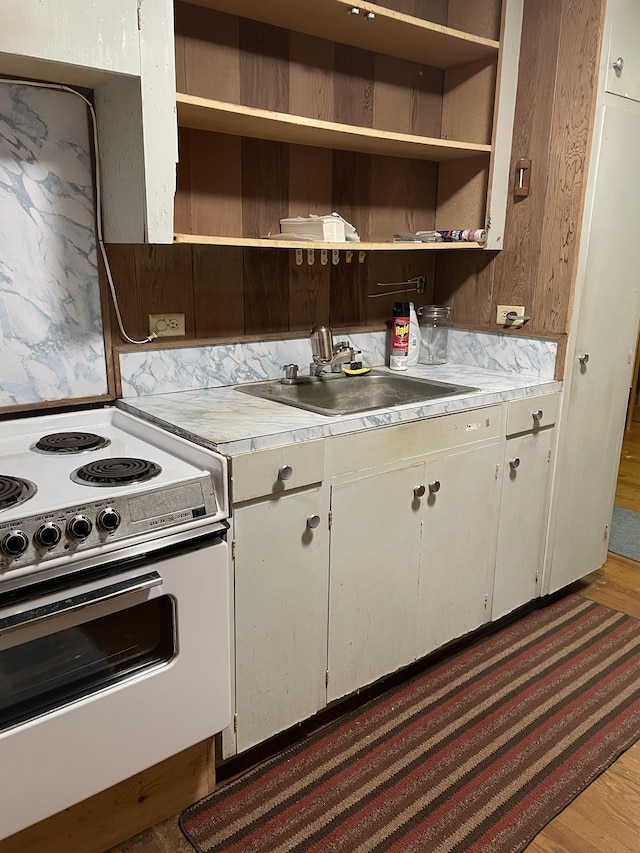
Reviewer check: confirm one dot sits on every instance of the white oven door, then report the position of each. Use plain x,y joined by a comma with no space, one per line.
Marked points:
116,669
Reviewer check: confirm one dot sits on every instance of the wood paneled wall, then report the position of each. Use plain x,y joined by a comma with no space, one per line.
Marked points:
553,122
228,293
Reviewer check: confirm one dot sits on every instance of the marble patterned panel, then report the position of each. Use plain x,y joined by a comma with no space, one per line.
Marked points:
191,368
520,355
51,336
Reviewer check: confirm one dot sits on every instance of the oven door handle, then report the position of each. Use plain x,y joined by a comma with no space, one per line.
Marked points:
77,602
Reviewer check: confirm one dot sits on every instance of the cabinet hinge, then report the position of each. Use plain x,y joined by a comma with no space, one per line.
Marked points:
497,471
330,519
139,12
233,549
537,573
486,601
235,722
326,678
549,456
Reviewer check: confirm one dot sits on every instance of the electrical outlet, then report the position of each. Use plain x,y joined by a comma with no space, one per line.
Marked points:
165,325
501,316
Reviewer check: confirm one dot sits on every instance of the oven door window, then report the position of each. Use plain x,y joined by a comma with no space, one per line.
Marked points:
49,672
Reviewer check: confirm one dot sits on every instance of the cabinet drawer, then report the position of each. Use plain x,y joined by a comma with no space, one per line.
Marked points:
418,439
532,413
271,472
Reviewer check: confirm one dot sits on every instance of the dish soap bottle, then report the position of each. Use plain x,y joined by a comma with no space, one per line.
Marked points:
414,337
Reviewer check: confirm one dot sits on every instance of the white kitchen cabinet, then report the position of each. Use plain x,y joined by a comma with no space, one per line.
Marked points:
460,519
374,562
623,63
281,588
601,347
410,569
280,570
123,50
524,508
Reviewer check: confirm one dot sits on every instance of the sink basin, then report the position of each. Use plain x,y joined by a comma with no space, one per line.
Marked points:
348,395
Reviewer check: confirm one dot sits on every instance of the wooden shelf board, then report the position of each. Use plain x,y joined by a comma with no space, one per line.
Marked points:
221,117
388,32
266,243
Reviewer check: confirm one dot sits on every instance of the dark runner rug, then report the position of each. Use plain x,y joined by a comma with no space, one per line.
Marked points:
476,754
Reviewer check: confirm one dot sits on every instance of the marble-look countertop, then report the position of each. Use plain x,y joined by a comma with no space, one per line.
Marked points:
234,423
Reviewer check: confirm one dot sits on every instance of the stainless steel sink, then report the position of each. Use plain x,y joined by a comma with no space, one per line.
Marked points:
348,395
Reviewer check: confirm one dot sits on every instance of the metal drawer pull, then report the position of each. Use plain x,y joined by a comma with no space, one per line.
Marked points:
618,65
313,521
537,415
584,359
286,472
515,463
419,491
77,602
434,487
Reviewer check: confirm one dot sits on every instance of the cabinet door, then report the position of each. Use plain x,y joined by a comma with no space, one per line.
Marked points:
623,66
524,508
281,587
375,546
598,373
458,545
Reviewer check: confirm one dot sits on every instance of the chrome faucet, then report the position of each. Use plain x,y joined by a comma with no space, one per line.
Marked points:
325,354
328,354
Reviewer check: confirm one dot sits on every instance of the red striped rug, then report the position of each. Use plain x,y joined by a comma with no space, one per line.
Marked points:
476,754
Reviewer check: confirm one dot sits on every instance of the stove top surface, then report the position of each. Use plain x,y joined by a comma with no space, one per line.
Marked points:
82,481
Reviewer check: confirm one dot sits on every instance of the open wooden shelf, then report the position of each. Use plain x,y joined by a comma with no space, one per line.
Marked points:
266,243
211,115
388,32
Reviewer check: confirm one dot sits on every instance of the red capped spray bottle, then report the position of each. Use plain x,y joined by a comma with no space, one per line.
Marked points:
400,336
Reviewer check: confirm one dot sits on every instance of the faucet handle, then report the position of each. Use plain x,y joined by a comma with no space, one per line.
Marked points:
290,371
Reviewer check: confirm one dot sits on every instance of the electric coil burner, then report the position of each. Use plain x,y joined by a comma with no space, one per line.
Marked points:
149,484
109,472
69,442
14,491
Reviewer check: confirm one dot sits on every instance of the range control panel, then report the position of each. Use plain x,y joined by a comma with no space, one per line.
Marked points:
75,529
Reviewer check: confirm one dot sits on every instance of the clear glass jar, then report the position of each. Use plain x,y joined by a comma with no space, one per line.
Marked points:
435,322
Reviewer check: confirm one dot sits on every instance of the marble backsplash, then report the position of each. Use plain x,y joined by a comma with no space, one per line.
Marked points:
157,371
51,338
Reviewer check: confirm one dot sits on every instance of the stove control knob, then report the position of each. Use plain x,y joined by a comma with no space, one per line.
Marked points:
109,519
48,535
14,543
79,527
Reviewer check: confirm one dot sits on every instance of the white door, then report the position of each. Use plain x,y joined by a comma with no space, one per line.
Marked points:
458,544
375,549
524,504
281,578
623,66
601,356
